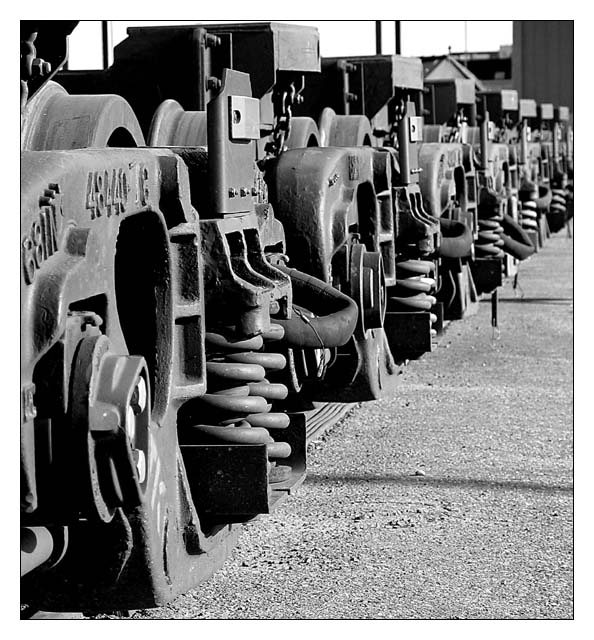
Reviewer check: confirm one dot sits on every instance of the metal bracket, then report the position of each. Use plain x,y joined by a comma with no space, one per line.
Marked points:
415,124
244,118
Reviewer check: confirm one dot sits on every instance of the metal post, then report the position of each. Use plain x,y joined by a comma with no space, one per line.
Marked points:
465,42
484,133
106,41
378,37
404,150
472,117
398,41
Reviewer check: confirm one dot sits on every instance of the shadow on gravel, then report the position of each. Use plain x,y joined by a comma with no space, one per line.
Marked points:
504,485
555,301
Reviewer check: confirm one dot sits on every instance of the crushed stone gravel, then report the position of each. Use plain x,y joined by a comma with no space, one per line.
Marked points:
451,499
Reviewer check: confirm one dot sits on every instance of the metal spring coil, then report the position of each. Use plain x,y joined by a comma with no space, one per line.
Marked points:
558,201
529,216
413,286
237,407
489,241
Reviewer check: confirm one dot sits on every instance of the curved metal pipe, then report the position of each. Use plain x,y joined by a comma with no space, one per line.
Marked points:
338,313
37,546
515,240
456,239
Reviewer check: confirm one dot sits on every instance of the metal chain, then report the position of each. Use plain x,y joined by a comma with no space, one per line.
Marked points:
454,134
283,99
399,113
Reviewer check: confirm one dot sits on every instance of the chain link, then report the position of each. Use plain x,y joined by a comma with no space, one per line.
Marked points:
284,96
399,113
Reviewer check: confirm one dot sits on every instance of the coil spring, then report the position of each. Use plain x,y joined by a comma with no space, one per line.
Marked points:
238,405
489,241
559,202
413,286
529,216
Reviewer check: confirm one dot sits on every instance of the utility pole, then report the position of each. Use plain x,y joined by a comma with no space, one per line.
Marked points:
378,37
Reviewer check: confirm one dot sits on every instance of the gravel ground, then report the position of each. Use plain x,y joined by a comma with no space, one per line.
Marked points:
451,499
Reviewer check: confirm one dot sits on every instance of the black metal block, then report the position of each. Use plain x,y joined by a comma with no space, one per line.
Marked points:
487,274
228,482
408,333
448,95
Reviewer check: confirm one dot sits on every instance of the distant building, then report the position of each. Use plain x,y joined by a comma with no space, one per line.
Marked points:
542,60
490,69
539,64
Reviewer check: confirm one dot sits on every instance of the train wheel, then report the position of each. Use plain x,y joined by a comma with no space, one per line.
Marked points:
304,133
53,119
344,131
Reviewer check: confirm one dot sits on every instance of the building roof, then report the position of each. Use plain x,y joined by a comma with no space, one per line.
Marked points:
447,67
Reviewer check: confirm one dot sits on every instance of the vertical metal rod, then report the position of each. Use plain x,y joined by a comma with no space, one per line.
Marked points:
484,132
106,41
404,150
466,42
398,41
378,37
433,105
472,117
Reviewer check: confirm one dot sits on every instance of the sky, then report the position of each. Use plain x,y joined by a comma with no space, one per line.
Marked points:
337,38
